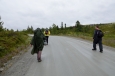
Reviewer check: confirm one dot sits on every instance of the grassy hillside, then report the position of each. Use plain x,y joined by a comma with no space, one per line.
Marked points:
11,43
86,32
109,32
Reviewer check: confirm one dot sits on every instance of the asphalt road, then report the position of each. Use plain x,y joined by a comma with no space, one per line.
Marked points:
65,56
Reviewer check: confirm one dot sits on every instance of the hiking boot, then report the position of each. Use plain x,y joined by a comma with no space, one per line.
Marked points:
94,49
101,51
39,60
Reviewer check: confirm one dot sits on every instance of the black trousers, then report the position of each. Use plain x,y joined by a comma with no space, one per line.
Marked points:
47,38
100,44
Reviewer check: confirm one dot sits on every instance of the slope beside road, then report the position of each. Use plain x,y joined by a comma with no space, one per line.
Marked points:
65,56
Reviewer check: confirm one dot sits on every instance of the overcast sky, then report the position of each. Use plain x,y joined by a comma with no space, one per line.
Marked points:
18,14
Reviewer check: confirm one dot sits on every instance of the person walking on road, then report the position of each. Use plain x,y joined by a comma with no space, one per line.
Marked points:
38,43
47,33
97,38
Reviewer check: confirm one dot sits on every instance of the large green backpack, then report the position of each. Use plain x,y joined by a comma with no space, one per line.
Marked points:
37,33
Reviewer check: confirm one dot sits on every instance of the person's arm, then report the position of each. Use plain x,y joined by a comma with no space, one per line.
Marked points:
49,32
94,34
44,33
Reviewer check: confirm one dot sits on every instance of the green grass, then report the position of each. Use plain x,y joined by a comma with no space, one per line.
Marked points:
107,40
9,41
87,33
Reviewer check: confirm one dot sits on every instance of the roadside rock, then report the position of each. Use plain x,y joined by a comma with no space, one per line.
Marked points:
1,69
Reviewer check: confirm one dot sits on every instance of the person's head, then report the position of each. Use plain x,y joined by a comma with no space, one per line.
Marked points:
97,27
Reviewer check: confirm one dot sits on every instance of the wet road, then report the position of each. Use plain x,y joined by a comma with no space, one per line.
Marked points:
66,56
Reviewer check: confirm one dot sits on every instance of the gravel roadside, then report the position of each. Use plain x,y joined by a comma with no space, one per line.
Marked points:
19,64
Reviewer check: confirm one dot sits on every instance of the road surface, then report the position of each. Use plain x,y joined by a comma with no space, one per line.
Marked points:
65,56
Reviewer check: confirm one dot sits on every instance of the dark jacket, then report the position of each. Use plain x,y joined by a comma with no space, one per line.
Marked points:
96,37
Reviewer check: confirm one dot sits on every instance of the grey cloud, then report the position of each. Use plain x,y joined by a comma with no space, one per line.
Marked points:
18,14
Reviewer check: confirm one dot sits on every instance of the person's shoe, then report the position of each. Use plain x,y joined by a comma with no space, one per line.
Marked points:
101,51
94,49
39,60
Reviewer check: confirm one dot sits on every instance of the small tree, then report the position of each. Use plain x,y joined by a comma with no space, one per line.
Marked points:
77,23
42,29
32,28
61,27
57,27
12,30
17,30
1,23
78,26
65,25
28,28
54,29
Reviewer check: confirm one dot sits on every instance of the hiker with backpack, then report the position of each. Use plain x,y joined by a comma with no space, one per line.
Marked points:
97,38
47,33
38,43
